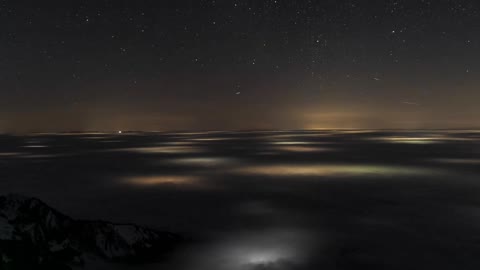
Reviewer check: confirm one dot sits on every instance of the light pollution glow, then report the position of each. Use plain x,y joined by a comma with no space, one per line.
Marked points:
338,170
155,180
281,170
204,161
421,140
296,116
165,150
302,149
257,250
464,161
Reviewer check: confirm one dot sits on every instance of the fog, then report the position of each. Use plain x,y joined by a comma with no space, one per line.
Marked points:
318,199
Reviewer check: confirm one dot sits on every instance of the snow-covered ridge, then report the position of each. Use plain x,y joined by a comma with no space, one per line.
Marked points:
52,237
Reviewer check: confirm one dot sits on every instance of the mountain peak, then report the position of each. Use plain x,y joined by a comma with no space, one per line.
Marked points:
29,225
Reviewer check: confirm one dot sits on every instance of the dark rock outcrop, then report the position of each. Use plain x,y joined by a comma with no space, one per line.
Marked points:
36,236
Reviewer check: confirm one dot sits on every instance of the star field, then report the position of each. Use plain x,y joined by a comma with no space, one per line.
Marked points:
161,65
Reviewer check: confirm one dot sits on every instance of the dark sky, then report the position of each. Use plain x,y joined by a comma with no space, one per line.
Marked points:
225,64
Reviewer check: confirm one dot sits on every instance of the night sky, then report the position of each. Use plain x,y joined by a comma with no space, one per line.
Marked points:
202,65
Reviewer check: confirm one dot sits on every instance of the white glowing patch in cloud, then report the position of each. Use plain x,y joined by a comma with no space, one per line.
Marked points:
257,250
265,257
332,170
35,146
10,154
270,247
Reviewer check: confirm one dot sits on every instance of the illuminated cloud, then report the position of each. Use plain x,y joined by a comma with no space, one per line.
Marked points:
464,161
332,170
10,154
302,149
419,139
290,143
165,150
204,161
158,180
35,146
265,249
217,139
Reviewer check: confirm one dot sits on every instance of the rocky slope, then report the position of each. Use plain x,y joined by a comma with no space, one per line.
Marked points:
36,236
